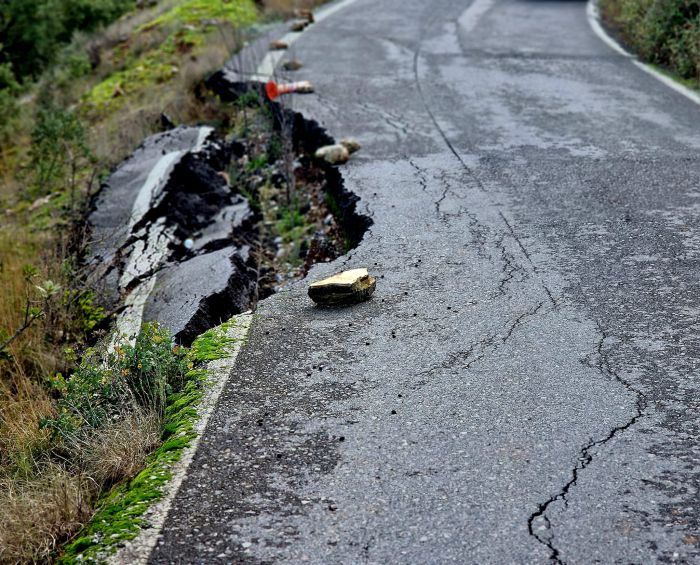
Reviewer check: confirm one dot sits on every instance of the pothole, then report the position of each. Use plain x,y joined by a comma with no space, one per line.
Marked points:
200,223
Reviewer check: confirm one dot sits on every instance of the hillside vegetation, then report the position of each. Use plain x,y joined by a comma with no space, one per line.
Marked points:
82,82
664,32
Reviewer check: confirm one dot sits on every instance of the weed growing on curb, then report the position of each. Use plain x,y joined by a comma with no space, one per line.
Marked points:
120,514
112,412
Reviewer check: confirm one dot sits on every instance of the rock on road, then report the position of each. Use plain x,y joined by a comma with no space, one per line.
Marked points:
522,388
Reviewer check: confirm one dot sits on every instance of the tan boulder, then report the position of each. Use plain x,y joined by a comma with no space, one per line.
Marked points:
333,154
347,287
351,144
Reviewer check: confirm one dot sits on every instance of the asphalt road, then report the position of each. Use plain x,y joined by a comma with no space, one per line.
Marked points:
523,386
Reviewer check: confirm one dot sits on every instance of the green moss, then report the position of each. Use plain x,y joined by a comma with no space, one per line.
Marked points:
202,12
187,26
119,516
112,92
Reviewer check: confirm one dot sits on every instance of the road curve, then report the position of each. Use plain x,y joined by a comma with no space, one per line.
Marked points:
522,388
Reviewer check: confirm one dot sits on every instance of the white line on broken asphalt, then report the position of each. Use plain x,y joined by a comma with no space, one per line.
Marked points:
148,257
266,68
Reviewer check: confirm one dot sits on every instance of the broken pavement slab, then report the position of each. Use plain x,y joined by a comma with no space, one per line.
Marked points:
348,287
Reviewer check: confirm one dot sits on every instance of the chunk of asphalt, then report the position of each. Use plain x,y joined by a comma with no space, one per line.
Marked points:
192,296
143,174
348,287
168,193
127,195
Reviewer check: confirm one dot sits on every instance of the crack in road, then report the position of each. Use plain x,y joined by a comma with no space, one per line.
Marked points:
517,239
510,268
485,345
544,533
400,128
420,173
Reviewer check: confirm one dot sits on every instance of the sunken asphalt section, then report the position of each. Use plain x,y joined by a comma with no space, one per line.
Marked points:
523,386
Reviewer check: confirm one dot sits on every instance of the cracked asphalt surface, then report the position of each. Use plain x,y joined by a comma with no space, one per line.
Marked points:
522,387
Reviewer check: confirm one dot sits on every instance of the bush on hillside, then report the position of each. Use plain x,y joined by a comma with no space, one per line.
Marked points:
9,89
663,32
33,31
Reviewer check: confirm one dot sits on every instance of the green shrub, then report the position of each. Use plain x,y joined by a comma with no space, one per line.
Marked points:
33,31
663,32
9,90
59,149
108,384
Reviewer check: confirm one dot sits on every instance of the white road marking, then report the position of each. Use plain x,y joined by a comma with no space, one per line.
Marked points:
266,68
154,184
594,21
471,16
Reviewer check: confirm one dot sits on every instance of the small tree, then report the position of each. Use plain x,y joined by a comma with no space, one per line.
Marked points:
59,150
9,108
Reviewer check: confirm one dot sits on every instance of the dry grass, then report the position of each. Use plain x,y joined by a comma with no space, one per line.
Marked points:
120,449
19,247
45,505
37,514
23,405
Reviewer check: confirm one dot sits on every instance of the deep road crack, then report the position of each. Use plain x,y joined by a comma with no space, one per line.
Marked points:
539,524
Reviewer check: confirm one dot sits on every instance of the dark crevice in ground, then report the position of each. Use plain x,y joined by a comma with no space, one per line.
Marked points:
543,532
203,218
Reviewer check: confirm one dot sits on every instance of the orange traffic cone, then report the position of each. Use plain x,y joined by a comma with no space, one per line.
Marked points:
274,90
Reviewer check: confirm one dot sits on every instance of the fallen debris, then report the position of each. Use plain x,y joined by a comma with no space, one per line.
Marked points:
299,26
293,65
348,287
351,144
306,14
273,90
333,154
278,45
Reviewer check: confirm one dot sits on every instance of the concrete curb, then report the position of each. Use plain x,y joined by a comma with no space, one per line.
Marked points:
139,549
